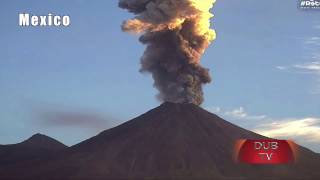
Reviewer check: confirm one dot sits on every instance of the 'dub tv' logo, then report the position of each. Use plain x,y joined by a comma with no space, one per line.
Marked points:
309,4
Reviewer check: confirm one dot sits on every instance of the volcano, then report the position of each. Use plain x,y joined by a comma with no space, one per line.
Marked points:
172,141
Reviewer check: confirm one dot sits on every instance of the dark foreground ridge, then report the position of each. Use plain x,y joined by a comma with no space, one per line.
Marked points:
36,147
172,141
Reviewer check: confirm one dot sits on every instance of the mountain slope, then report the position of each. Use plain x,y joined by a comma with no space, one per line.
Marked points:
172,141
36,146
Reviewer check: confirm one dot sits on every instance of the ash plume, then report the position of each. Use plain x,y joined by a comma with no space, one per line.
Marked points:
176,33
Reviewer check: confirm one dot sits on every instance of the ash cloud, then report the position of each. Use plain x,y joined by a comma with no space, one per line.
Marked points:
176,34
48,115
73,119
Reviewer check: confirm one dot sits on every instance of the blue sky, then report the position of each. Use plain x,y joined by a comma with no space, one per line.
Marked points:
264,63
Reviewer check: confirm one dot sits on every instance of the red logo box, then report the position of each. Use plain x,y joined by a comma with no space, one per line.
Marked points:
265,151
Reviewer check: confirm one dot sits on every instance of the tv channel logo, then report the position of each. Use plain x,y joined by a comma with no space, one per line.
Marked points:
265,151
309,4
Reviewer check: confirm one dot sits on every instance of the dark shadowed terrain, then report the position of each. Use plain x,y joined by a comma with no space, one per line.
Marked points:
35,147
172,141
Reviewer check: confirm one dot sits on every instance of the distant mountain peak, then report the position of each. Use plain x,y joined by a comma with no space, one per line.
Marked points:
38,136
36,147
42,141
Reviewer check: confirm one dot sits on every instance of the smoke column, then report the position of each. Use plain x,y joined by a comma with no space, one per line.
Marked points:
176,33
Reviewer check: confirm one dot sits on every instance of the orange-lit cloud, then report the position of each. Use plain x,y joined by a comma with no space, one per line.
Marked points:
307,129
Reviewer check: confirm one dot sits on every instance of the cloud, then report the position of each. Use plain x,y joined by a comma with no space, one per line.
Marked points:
237,113
313,56
315,40
313,67
300,130
52,115
240,113
72,119
214,109
308,67
282,67
311,64
304,131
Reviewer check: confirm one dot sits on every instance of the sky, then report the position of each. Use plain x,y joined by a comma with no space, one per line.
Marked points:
73,82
